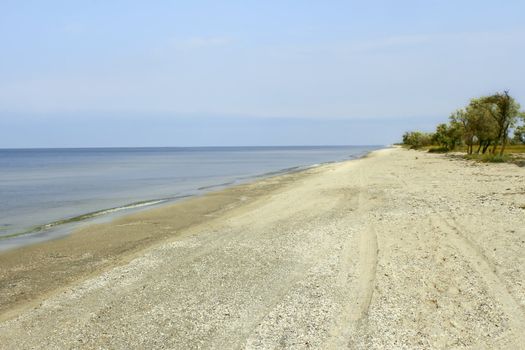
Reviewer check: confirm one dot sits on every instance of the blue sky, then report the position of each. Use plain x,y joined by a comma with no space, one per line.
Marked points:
189,73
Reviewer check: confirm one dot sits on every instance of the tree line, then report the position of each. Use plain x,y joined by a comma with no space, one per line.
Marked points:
483,126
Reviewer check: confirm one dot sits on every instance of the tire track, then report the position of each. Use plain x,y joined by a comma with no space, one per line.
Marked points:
482,265
355,313
487,271
368,253
368,257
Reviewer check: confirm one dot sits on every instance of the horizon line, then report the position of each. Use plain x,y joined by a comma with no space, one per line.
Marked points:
145,147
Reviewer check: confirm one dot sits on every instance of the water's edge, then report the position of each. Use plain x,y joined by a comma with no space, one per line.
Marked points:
65,226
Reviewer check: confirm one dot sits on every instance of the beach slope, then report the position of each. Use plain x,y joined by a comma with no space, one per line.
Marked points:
401,249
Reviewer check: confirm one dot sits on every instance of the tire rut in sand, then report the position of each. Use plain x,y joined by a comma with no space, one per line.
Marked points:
368,255
479,262
355,313
487,271
368,250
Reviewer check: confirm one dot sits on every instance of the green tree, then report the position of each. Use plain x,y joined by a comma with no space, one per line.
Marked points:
481,125
505,112
519,134
417,139
463,120
449,135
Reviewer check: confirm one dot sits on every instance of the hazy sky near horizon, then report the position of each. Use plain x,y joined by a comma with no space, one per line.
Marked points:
189,73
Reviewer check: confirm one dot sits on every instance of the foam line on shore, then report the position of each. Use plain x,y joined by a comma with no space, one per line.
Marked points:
83,217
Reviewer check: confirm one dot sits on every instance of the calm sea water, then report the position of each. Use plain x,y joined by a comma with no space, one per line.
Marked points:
45,191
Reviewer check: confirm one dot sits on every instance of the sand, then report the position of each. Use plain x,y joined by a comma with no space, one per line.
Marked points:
399,250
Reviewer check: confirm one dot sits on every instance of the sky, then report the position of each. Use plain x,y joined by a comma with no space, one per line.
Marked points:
233,73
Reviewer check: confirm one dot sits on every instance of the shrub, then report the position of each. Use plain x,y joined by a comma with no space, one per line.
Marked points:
494,158
438,150
417,139
489,158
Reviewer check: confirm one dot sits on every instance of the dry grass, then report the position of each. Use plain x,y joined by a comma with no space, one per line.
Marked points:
509,149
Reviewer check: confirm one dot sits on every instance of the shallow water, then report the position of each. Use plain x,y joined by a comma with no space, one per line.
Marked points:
43,189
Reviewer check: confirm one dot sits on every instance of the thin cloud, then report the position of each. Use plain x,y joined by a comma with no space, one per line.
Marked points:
391,42
357,47
201,42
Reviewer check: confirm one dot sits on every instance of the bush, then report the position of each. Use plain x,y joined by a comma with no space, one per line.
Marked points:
494,158
417,139
448,136
489,158
438,150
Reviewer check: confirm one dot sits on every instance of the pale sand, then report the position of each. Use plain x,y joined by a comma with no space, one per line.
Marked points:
400,250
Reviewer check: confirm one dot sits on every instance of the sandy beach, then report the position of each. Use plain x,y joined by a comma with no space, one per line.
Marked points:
398,250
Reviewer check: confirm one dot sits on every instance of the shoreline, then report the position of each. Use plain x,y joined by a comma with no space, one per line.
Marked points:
400,247
62,227
79,242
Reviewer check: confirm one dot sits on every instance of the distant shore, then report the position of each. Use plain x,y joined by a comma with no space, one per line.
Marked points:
401,247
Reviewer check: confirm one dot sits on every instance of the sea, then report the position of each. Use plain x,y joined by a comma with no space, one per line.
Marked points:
46,193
